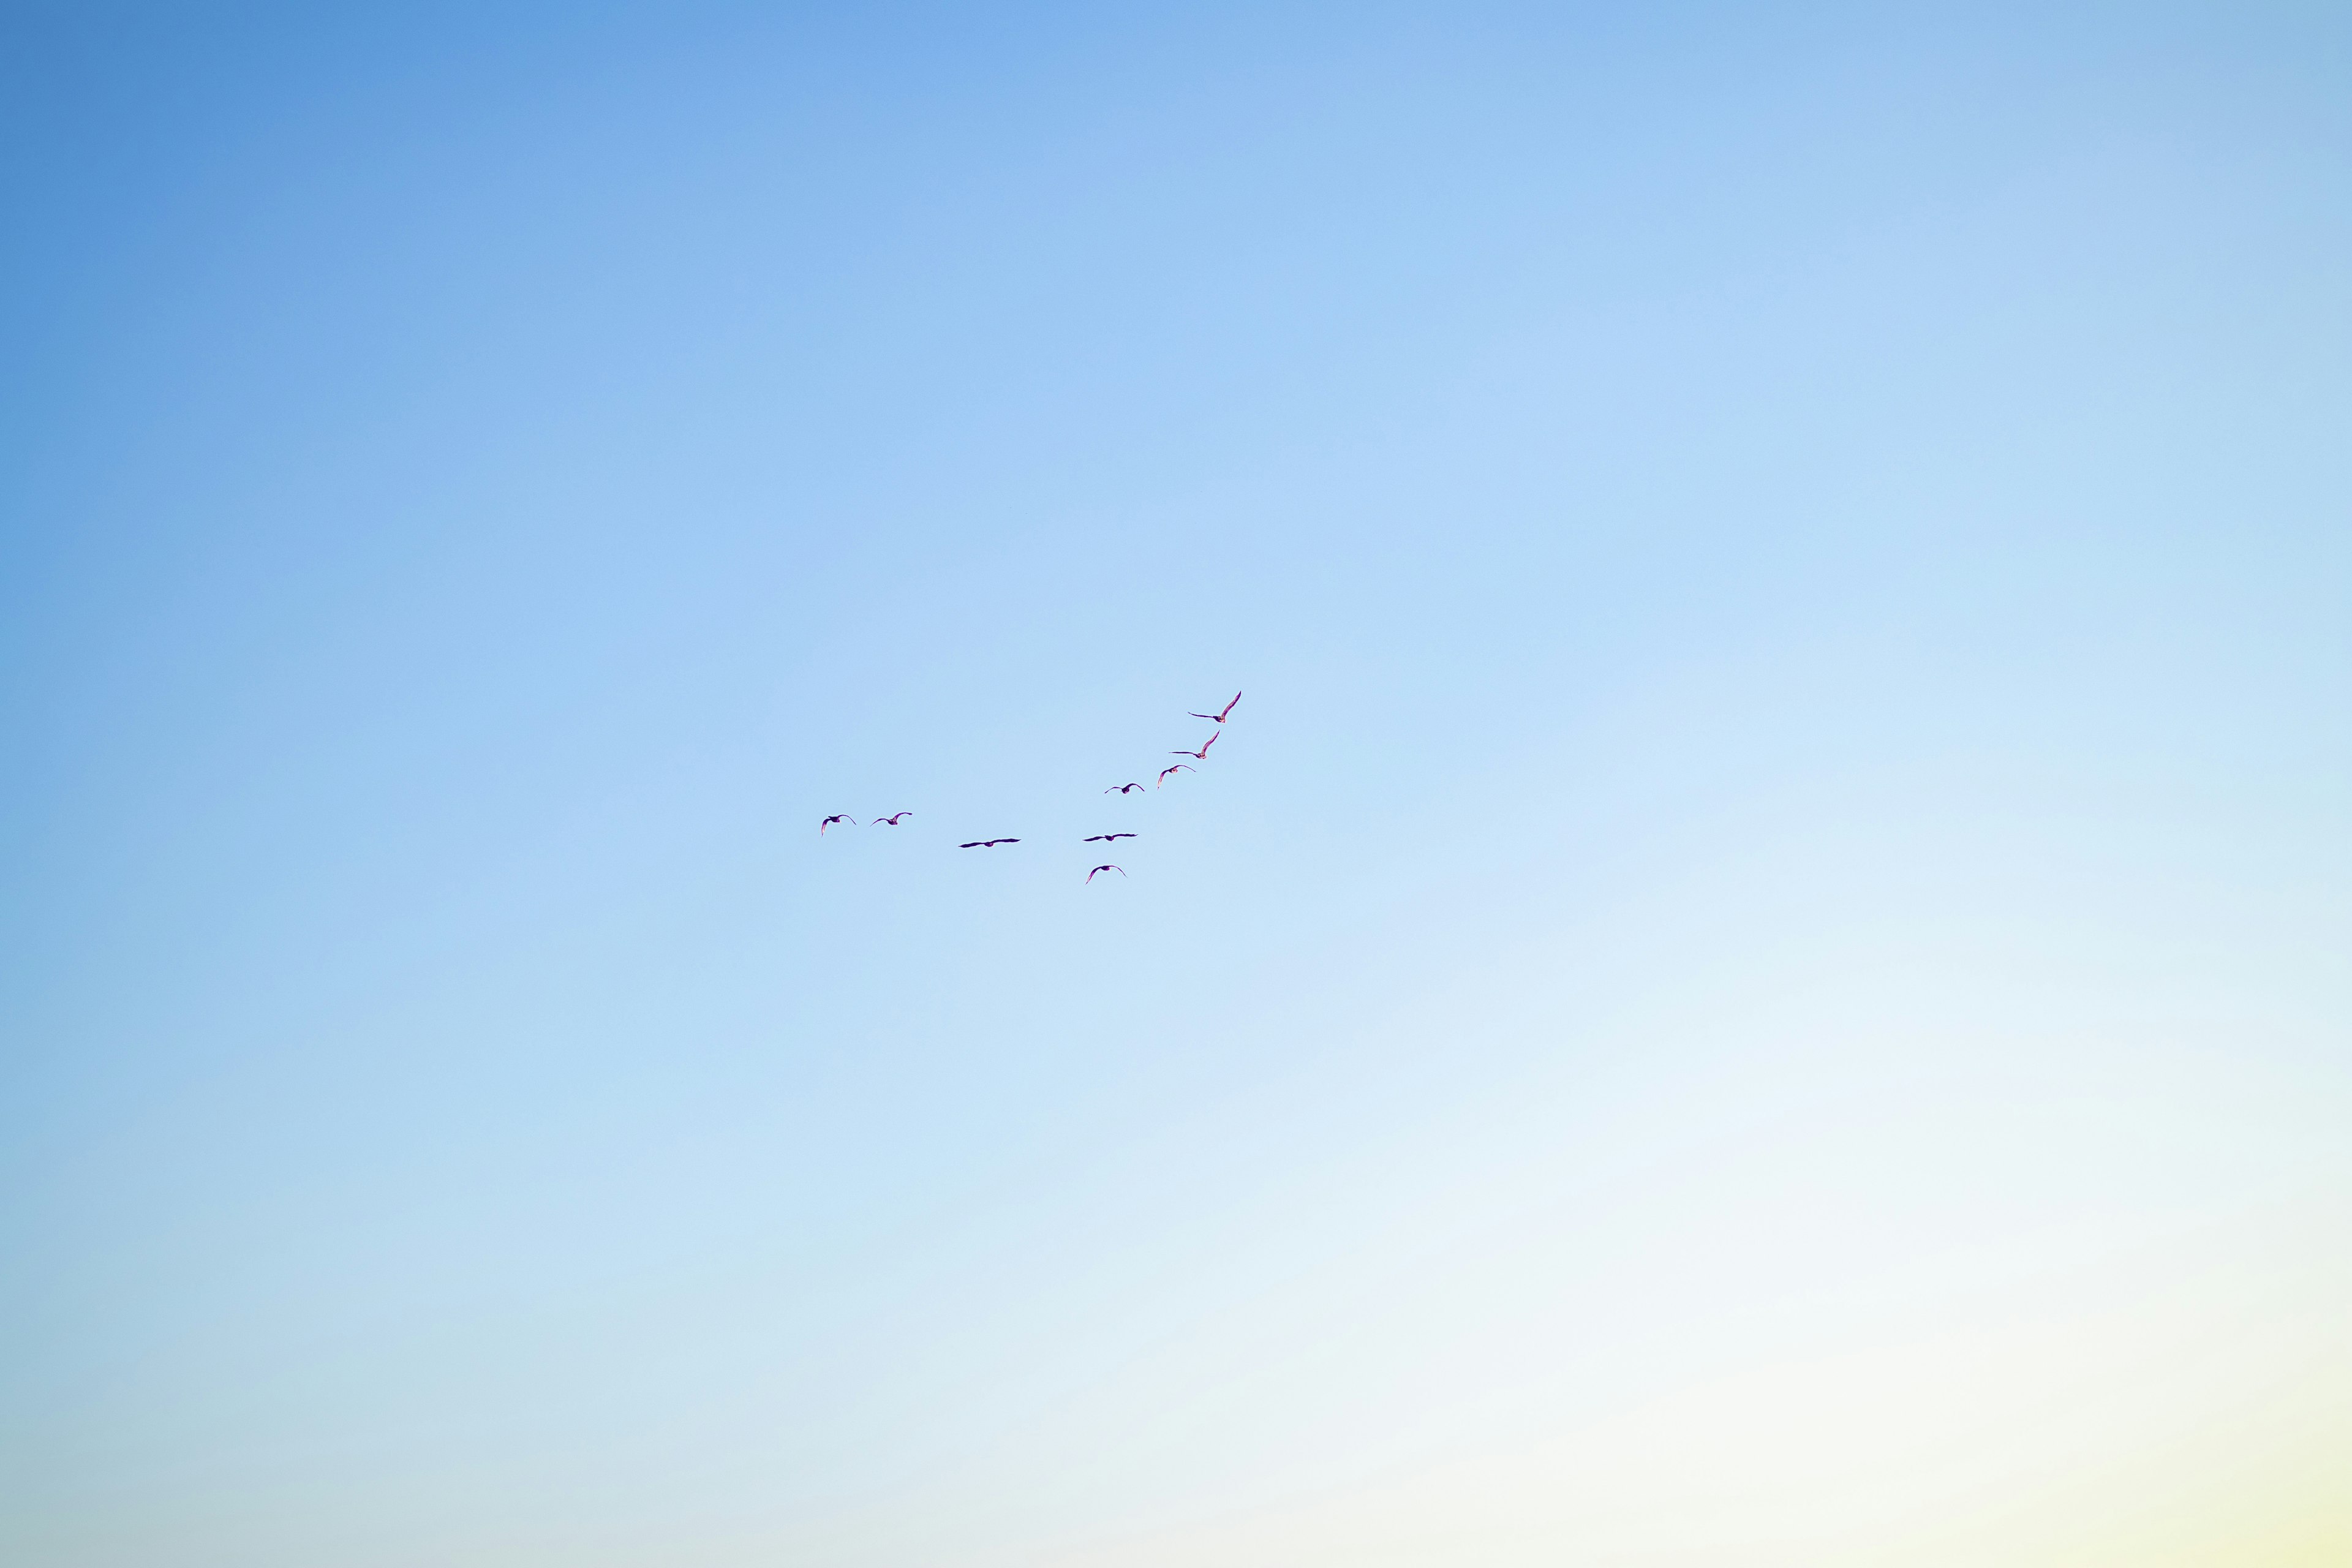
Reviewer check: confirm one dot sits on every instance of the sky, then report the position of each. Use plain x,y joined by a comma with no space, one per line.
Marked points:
1759,976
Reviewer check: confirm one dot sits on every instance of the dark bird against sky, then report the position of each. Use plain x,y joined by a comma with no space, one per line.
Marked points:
987,843
1179,768
1203,752
1107,838
890,821
1122,789
1220,718
837,816
1090,876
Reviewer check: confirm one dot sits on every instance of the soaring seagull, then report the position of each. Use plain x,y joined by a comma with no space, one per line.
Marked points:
1107,838
1179,768
890,821
987,843
1097,870
1123,789
1203,752
1220,718
837,816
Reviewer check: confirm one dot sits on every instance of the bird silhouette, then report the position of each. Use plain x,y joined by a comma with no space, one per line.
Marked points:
1122,789
837,816
1220,718
987,843
1091,875
1179,768
1203,752
1107,838
890,821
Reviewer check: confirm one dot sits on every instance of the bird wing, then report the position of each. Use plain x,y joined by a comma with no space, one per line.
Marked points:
1229,707
1205,745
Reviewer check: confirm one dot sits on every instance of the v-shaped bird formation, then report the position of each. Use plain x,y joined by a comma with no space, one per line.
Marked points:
1201,756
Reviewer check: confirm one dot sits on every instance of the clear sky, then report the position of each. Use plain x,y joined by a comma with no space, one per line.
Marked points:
1760,976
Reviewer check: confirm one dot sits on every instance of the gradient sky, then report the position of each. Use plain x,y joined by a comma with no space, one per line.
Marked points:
1760,976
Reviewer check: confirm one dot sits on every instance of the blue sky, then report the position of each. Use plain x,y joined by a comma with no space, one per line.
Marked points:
1757,975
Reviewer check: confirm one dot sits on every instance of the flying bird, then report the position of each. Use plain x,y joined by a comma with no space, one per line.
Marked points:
1091,875
837,816
1220,718
1122,789
1203,752
987,843
1107,838
1179,768
890,821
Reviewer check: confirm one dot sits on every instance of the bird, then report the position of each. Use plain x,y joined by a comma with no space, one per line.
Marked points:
1091,875
1220,718
1106,837
1179,768
1203,752
837,816
889,821
987,843
1122,789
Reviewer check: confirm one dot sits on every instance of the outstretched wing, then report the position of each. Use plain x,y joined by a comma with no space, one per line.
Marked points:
975,844
1210,741
1229,707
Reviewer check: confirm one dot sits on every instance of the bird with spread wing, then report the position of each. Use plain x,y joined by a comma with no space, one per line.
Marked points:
1220,717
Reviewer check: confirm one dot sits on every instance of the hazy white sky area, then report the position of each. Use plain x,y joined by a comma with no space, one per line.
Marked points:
1760,976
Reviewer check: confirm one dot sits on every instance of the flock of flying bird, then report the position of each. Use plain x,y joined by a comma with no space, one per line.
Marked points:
1217,719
